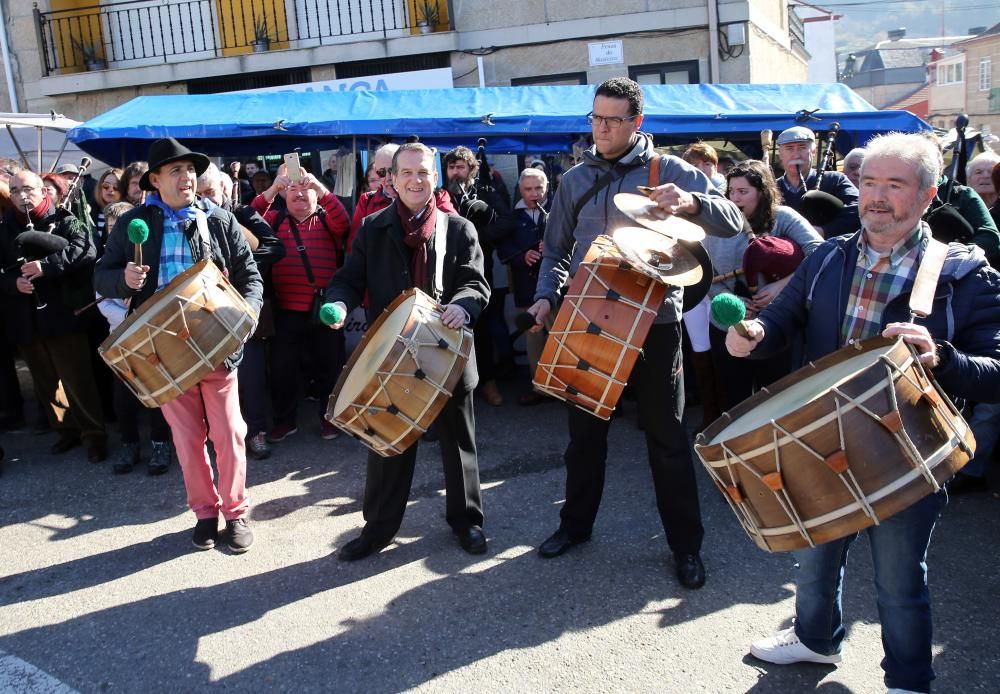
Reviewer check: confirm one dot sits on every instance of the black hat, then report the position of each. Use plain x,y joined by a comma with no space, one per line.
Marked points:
167,150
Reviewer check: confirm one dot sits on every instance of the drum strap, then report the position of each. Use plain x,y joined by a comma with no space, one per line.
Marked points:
440,242
925,284
654,171
203,237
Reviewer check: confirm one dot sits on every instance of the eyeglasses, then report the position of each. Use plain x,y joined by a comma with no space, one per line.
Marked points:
613,122
382,173
26,190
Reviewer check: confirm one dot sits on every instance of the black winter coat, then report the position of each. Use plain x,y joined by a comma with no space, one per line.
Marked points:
66,281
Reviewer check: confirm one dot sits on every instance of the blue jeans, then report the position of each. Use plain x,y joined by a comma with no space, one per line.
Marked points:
985,423
899,556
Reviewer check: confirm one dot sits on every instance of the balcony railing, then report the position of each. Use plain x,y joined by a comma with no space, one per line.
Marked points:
148,32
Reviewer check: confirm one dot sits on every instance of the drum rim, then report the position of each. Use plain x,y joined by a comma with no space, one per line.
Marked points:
794,378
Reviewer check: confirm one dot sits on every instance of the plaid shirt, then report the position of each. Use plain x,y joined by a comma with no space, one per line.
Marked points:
175,253
877,281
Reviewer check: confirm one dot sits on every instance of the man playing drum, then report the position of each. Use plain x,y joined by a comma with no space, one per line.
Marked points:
619,161
211,408
394,251
869,276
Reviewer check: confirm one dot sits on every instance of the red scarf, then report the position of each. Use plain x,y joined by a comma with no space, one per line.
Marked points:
37,215
417,231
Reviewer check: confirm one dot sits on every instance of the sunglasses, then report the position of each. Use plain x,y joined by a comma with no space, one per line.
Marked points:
382,173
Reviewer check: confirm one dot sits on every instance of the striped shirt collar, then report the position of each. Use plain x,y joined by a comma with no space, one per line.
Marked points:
900,250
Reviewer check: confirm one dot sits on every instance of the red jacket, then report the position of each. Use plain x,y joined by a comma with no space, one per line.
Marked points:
376,201
322,234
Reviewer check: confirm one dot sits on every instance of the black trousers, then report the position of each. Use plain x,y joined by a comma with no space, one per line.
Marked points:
741,378
658,381
387,487
295,339
128,407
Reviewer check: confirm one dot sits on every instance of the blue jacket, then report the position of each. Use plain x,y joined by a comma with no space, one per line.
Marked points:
964,321
522,235
837,185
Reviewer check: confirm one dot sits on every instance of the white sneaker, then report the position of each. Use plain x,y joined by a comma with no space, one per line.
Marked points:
784,648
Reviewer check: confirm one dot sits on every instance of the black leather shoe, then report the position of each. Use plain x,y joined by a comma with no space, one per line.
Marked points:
558,543
472,539
690,570
206,533
64,444
97,453
359,548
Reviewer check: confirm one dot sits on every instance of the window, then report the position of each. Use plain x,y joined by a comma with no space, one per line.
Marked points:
680,72
951,73
567,78
985,74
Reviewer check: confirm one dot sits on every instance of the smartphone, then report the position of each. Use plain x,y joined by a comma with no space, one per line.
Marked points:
293,170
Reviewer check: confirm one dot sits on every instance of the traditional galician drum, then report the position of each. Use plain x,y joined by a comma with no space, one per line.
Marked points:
605,316
837,446
400,375
179,335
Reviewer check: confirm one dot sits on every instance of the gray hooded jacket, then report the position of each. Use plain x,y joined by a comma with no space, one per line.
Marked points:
567,239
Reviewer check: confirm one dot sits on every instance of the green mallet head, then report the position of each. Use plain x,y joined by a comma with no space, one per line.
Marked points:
728,309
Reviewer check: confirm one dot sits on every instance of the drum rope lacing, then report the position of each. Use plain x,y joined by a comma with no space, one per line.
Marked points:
411,348
745,513
549,367
199,300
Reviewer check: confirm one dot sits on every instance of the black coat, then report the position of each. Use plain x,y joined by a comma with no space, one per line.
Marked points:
66,281
379,264
229,251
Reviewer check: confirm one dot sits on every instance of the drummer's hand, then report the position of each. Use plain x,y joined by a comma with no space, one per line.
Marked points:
343,312
917,336
531,257
24,286
454,316
672,199
540,310
135,275
740,346
31,270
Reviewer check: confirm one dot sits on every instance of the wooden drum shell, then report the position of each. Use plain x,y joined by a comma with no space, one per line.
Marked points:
599,331
179,335
388,405
829,444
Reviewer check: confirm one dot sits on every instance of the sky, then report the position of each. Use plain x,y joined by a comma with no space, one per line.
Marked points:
865,22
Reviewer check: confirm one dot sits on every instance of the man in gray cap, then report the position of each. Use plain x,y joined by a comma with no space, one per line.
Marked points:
796,149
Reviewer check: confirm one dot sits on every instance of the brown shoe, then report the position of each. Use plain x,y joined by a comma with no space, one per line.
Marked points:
492,394
532,397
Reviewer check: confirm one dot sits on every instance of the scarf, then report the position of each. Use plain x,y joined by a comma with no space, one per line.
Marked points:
175,250
417,231
43,210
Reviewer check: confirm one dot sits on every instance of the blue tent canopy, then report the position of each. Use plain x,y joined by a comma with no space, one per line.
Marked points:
513,119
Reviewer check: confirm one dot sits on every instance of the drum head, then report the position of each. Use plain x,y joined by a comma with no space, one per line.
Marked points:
373,350
641,209
658,256
799,388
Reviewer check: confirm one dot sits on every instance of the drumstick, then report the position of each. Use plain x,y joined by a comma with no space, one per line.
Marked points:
138,232
729,310
728,275
89,306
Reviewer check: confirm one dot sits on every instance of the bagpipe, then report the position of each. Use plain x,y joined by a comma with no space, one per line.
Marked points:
946,222
820,207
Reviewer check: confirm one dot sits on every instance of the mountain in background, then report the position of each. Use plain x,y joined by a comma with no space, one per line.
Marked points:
863,24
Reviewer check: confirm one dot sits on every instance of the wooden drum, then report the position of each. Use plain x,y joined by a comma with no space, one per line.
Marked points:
400,375
599,331
179,335
835,447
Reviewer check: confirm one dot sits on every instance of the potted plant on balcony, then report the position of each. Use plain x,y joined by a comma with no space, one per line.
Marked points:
261,41
92,58
428,15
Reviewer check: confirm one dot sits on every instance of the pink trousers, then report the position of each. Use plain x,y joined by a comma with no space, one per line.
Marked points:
211,409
